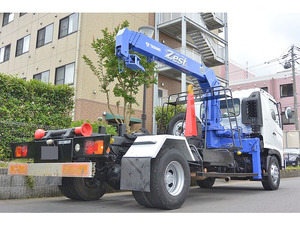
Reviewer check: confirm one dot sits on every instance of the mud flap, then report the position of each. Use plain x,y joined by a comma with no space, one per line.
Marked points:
135,174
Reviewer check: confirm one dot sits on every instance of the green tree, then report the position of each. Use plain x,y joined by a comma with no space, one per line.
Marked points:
123,84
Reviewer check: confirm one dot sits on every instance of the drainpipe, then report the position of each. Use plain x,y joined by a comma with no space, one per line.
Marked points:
155,86
76,63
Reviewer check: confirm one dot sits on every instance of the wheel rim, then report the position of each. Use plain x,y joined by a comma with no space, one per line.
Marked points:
274,173
178,129
174,178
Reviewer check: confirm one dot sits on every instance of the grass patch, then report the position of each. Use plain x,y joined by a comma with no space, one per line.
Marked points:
293,168
5,164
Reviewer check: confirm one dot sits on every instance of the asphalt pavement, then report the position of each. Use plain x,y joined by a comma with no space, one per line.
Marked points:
231,197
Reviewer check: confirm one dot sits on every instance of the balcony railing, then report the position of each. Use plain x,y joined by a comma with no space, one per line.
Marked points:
165,17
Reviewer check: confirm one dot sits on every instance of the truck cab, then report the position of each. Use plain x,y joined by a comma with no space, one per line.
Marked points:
270,130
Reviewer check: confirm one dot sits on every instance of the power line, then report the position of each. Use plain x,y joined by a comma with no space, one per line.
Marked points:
265,65
251,68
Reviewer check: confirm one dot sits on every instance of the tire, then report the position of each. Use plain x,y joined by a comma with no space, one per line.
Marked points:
170,180
142,199
66,189
207,183
84,189
176,126
272,181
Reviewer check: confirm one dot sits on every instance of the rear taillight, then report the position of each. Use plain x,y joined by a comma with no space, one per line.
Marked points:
93,147
98,147
21,151
89,147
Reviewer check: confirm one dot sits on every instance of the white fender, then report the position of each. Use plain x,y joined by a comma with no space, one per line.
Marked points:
149,146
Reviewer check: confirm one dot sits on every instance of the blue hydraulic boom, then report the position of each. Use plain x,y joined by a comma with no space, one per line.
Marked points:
216,135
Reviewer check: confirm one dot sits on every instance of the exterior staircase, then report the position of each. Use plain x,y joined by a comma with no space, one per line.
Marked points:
207,46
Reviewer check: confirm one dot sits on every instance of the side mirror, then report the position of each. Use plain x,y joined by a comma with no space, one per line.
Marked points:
288,113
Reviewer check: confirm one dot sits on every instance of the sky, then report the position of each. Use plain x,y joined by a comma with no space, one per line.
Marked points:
259,30
256,38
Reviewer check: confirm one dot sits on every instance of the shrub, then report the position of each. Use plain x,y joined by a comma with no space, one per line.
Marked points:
29,105
167,116
109,129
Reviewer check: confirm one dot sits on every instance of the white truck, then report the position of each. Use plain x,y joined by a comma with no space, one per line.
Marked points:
233,136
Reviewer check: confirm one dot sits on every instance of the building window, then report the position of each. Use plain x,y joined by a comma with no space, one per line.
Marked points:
22,14
4,53
23,45
65,74
68,25
286,90
44,36
7,18
44,76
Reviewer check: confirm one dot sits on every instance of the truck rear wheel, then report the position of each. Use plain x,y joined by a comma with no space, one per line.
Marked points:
170,180
272,181
142,199
207,183
65,188
85,189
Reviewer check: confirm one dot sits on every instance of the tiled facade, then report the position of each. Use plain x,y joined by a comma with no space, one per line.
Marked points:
278,85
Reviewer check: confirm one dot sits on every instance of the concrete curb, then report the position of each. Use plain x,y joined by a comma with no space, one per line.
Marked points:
289,173
17,187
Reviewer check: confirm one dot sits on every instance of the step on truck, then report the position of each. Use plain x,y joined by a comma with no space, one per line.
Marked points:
220,135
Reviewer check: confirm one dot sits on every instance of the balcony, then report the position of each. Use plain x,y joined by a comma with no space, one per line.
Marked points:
198,26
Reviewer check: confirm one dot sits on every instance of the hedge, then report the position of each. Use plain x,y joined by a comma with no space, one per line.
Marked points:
28,105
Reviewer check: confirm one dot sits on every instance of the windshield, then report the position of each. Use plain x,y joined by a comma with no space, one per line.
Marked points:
223,107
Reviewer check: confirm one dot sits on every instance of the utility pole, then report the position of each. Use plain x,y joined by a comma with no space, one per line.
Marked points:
294,89
288,64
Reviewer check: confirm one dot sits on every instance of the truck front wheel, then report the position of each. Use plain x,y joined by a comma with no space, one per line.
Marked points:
272,180
170,180
84,189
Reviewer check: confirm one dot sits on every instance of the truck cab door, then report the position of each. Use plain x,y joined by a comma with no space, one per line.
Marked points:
272,132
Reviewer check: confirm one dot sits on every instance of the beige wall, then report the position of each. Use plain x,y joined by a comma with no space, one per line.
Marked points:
87,87
50,56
